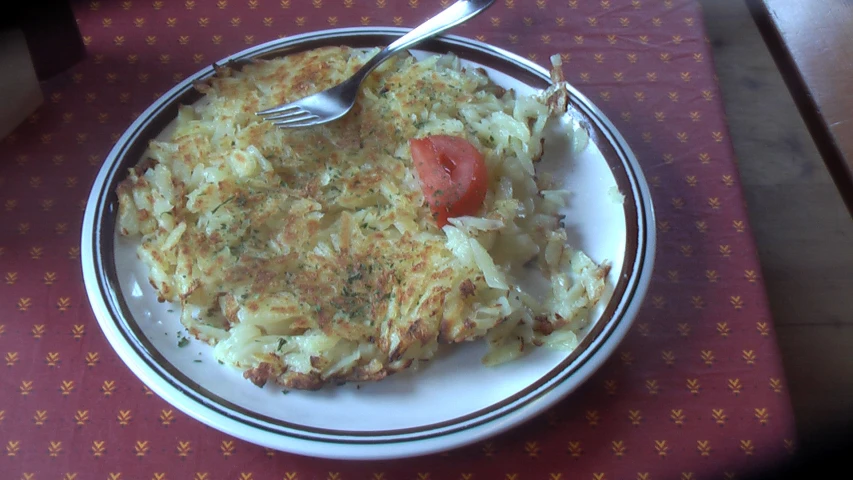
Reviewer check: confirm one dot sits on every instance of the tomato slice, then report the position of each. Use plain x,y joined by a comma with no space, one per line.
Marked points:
452,173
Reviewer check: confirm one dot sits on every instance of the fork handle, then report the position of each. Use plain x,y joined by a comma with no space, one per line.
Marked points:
448,18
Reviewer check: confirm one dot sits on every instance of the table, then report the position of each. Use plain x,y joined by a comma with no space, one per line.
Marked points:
696,390
811,42
799,219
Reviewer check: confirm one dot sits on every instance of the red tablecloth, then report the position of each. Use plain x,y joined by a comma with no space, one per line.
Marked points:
696,390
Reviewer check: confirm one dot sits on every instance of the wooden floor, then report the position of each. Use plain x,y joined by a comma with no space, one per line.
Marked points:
804,233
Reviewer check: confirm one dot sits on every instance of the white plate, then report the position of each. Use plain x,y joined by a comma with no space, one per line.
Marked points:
455,400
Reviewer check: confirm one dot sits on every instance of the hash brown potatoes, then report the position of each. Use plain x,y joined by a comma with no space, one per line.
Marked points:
308,256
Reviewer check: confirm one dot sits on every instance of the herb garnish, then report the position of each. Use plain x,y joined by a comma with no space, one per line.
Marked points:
223,203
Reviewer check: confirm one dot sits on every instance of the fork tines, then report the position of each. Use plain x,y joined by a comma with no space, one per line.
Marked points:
289,116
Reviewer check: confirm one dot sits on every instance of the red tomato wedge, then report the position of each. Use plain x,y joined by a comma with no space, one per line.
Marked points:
452,173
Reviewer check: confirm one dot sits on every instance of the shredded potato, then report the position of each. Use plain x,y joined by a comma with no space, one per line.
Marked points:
309,256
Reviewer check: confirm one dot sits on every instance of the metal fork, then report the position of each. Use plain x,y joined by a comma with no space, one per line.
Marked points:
334,103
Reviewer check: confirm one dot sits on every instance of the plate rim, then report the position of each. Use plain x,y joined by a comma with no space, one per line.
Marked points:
102,294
